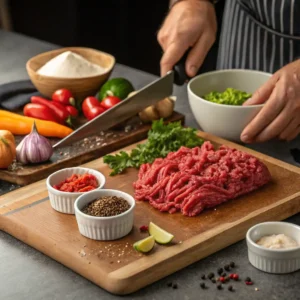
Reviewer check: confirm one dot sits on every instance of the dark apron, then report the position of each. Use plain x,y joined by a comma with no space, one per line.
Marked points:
259,34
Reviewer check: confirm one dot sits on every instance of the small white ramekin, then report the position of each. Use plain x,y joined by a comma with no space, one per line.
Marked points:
277,261
64,201
104,228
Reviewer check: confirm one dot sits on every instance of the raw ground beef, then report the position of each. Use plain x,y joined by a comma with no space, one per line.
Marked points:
191,180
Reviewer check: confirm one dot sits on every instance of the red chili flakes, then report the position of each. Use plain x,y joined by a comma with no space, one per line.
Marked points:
144,228
78,183
249,282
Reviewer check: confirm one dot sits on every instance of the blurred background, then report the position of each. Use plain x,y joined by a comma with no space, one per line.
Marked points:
125,28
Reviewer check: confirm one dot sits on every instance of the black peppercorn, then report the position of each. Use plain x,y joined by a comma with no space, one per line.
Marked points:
248,279
175,286
202,285
203,277
232,264
227,267
230,288
213,280
210,275
220,271
169,284
219,286
224,275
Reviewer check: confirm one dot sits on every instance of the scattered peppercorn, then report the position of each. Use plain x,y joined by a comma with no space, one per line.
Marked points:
210,275
230,288
235,277
249,282
213,280
202,285
248,279
175,286
144,228
232,264
227,267
219,286
222,279
223,274
231,276
203,277
169,284
220,271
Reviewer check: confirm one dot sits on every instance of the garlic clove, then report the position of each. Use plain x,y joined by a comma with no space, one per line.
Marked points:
149,114
165,107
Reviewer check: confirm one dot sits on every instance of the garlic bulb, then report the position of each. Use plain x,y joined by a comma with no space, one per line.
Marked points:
34,148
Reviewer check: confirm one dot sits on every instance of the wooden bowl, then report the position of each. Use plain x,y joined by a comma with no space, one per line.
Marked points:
80,87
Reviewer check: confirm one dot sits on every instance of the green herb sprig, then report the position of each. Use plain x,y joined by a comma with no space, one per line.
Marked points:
162,139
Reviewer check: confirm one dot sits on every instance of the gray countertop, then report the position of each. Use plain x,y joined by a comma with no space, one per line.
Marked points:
28,274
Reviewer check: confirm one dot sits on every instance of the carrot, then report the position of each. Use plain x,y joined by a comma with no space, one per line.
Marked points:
21,125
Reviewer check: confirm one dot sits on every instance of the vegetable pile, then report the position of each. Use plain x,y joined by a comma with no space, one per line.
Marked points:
61,109
230,97
162,139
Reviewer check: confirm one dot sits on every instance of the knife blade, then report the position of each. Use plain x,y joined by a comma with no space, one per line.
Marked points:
147,96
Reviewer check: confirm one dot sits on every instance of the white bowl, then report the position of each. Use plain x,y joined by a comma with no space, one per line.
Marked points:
104,228
64,201
278,261
226,121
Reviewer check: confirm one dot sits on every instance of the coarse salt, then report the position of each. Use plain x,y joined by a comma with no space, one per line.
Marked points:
70,65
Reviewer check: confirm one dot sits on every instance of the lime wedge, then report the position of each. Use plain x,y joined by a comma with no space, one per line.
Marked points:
144,245
161,236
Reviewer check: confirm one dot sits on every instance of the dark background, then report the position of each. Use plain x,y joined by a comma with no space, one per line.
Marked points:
125,28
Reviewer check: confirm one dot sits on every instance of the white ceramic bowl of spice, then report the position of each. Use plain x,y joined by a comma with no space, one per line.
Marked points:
274,247
105,214
63,201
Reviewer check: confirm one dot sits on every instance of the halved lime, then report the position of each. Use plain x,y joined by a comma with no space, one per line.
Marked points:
161,236
144,245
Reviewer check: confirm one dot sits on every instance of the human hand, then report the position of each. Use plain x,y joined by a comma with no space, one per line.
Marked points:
190,23
280,116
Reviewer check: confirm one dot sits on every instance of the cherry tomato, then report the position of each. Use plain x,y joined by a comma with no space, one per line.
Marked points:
63,96
91,108
110,101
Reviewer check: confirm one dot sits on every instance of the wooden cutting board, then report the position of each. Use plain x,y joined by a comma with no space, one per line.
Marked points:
82,151
27,215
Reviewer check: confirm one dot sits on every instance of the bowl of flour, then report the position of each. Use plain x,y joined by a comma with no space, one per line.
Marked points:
81,70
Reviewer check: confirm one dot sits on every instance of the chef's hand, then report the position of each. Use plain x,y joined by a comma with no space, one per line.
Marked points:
190,23
280,116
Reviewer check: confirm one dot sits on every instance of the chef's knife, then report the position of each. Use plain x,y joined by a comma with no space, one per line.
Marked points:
147,96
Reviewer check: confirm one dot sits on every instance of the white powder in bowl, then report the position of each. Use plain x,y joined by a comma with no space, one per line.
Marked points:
70,65
277,241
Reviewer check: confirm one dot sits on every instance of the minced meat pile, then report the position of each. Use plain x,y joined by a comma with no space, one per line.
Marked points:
191,180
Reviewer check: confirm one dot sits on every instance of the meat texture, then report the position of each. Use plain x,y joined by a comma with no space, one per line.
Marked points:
191,180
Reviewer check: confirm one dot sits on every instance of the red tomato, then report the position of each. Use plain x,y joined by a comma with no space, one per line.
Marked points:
110,101
91,108
63,96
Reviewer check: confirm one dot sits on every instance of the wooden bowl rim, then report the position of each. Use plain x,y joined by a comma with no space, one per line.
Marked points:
61,50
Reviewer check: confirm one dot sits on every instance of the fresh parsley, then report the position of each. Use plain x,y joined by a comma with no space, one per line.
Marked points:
162,139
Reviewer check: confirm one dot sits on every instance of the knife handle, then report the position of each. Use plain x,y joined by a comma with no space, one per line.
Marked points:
180,76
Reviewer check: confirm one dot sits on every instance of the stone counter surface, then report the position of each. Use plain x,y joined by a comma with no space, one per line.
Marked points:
26,274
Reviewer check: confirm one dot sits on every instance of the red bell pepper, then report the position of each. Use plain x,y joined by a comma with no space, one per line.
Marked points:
73,111
91,108
64,97
58,109
39,111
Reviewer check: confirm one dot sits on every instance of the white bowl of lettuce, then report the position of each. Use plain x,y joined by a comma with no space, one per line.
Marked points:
216,100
